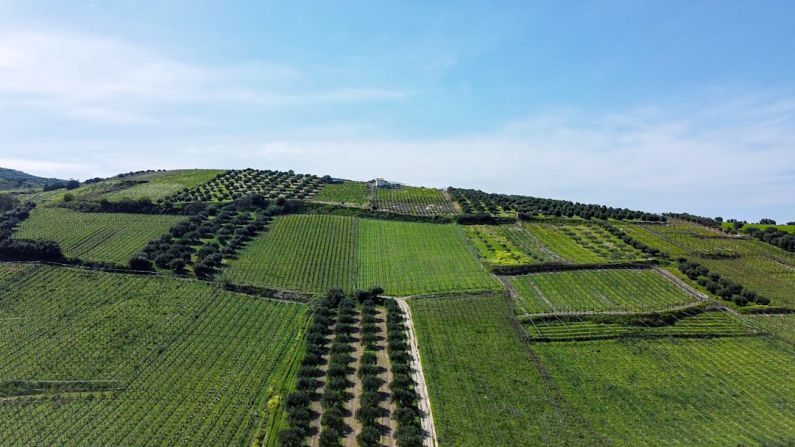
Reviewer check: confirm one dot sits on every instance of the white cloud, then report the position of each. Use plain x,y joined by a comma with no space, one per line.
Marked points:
108,80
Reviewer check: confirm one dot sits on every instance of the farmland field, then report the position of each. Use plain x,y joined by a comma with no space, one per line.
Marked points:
690,324
107,237
598,291
414,200
230,185
484,385
347,193
506,245
408,258
706,392
583,244
160,185
310,253
314,253
761,267
147,360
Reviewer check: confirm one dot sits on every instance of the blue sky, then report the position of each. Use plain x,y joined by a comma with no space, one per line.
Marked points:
661,106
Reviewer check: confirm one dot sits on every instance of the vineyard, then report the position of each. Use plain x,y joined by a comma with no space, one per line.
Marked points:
174,362
163,184
347,193
313,253
680,392
234,184
413,200
495,245
407,258
484,386
636,290
310,253
106,237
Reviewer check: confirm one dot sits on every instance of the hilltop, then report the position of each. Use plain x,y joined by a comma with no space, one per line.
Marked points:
11,179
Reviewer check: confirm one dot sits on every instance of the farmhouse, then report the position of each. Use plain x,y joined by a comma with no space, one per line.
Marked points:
379,182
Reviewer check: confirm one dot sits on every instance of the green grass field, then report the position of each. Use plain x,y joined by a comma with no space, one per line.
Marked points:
746,227
495,245
485,385
108,237
680,392
598,291
414,200
314,253
170,361
160,185
347,193
309,253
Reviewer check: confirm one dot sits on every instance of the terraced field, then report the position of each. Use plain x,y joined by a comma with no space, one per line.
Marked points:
699,324
309,253
347,193
314,253
106,237
414,200
638,290
149,360
485,386
680,392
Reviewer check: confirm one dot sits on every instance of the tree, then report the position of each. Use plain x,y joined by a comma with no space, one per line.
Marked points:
140,263
767,221
369,436
177,265
291,437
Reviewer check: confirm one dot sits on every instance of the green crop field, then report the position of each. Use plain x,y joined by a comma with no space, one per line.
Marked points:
106,359
313,253
160,185
484,381
680,392
583,244
598,291
108,237
407,258
746,227
347,193
414,200
507,245
308,253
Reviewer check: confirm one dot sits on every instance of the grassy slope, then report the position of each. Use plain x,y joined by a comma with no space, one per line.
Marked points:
195,362
598,290
563,245
484,386
314,253
109,237
715,392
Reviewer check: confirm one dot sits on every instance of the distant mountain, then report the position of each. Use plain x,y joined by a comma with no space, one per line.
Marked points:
11,179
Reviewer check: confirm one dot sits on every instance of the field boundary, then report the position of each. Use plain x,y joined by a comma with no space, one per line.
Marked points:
424,402
563,267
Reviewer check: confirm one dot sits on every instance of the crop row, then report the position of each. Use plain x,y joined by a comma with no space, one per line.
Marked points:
234,184
703,324
413,200
597,291
191,360
346,193
104,237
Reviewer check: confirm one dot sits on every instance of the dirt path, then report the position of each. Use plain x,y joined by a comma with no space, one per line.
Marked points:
349,440
424,401
383,360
